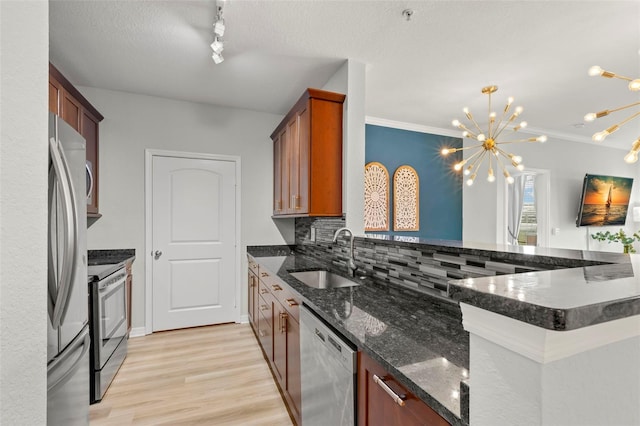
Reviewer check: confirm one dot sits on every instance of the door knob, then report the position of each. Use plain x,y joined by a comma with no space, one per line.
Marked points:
157,254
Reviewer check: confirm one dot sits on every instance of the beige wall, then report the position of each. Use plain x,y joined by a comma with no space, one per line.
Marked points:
134,123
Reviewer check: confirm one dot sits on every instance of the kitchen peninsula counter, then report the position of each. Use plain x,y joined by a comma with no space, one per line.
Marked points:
419,339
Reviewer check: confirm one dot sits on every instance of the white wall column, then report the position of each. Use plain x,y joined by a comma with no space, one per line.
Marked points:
350,80
526,375
24,54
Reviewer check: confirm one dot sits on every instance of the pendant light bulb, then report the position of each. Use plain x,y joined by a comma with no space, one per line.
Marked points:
595,71
445,151
590,117
600,136
471,179
634,85
541,139
631,157
491,177
459,165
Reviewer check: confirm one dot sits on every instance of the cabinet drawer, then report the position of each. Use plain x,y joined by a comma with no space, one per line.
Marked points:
253,265
265,307
290,303
281,293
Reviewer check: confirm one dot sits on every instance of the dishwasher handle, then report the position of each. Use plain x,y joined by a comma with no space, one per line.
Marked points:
398,399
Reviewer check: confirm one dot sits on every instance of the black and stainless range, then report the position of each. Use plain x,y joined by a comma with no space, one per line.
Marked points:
108,325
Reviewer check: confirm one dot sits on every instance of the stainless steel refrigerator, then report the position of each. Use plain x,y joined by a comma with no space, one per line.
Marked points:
68,338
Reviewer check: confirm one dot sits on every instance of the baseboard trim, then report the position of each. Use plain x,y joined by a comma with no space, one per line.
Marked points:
138,332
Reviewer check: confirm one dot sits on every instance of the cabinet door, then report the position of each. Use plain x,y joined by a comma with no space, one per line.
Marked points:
265,336
304,147
129,287
278,153
280,343
378,406
293,152
294,386
89,130
252,298
71,110
55,90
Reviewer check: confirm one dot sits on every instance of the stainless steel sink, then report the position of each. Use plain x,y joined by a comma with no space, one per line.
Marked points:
323,279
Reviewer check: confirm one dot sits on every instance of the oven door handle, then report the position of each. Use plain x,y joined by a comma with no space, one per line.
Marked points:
121,280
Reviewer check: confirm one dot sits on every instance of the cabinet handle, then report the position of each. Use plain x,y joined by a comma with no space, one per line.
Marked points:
262,333
297,202
291,302
398,399
278,205
264,291
283,322
276,287
252,283
264,307
264,274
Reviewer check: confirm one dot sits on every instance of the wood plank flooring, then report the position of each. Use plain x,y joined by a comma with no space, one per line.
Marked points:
212,375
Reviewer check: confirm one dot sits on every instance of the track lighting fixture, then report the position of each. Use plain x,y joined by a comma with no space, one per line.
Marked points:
218,45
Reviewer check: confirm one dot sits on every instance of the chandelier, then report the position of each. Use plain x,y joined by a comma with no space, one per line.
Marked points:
218,31
634,86
488,147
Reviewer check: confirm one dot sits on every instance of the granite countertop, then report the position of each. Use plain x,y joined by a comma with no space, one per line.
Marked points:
580,289
563,299
103,263
417,338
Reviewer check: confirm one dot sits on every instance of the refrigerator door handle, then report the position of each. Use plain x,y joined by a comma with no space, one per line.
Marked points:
59,295
82,339
88,166
73,219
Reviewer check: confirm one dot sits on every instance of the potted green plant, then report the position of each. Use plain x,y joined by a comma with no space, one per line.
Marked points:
621,237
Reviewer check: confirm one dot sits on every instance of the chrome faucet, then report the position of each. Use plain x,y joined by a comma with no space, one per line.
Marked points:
351,264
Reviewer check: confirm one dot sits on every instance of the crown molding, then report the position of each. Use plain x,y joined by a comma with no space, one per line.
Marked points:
412,127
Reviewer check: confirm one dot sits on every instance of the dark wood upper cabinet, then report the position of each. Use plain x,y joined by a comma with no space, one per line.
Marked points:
67,102
307,148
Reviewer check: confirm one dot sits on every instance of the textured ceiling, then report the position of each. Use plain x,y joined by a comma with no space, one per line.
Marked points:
421,71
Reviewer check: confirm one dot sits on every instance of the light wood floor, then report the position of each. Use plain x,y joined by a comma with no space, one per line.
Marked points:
199,376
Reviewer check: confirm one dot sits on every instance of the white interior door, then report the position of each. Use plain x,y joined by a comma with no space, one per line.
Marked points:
193,242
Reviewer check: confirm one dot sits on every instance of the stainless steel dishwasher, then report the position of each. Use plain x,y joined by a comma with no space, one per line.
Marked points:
328,365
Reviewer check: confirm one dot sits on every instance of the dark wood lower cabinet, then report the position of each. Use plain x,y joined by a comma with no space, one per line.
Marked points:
129,287
253,300
294,386
276,312
384,401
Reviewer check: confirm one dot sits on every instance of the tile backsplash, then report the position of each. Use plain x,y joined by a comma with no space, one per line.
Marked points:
421,267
